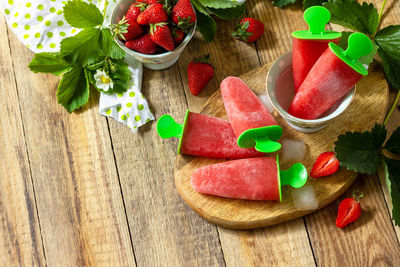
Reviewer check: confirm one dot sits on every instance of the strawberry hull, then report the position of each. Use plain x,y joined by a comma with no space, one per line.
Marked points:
253,179
212,137
305,53
329,80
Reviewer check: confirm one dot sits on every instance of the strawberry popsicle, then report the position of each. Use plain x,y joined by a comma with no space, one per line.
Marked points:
309,45
253,179
332,77
202,135
253,125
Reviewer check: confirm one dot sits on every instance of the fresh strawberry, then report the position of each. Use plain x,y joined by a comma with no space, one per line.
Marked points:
200,72
161,35
149,1
178,36
134,11
154,13
349,210
134,30
326,164
183,14
142,44
249,30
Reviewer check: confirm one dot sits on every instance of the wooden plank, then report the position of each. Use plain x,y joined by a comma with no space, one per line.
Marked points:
164,230
20,240
233,57
78,196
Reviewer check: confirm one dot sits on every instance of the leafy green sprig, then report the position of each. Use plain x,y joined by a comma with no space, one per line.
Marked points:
81,55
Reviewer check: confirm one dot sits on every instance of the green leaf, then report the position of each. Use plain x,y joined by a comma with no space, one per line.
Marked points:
282,3
121,77
218,3
83,48
49,62
73,90
310,3
393,144
109,46
361,152
82,15
365,59
388,40
229,13
393,171
206,25
351,14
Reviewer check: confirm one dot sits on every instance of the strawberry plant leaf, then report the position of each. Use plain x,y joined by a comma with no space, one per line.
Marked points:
206,25
361,152
109,47
49,62
282,3
218,3
310,3
365,59
350,14
199,7
229,13
82,15
393,144
121,77
73,89
393,183
388,40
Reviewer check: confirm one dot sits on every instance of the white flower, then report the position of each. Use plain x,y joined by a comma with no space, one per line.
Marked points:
103,81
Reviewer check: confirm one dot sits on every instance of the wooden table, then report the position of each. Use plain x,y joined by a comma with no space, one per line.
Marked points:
81,189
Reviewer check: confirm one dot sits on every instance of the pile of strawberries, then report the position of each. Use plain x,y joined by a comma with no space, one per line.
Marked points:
150,27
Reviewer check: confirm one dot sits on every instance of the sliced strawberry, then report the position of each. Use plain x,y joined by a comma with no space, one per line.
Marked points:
326,164
349,210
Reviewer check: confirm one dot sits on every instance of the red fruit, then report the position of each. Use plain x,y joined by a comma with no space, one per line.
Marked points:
249,30
178,36
134,11
142,44
149,1
349,210
200,72
134,30
183,14
154,13
161,35
326,164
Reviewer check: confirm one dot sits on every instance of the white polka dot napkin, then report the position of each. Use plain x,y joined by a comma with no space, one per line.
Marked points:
40,25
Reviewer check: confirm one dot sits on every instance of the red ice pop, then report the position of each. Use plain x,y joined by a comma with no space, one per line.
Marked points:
253,125
333,76
202,135
309,45
253,179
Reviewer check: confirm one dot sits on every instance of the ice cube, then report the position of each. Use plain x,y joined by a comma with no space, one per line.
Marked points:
304,198
293,149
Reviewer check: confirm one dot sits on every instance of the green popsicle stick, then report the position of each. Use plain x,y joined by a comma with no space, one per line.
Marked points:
263,139
317,17
359,45
167,127
295,176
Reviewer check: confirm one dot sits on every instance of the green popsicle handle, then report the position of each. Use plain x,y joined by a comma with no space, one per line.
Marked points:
266,145
317,17
167,127
296,176
263,139
359,45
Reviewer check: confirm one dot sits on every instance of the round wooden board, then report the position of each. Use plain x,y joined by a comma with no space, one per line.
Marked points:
368,107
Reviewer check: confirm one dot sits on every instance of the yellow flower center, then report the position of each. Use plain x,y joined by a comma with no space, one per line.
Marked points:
105,79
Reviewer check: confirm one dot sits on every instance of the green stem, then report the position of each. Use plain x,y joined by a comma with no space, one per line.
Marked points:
381,12
392,108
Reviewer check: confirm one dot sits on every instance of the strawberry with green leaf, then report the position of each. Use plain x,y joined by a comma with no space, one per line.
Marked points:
154,13
249,30
178,36
200,72
161,35
183,14
349,210
134,11
143,44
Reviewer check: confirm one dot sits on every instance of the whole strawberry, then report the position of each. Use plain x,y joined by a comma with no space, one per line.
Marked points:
249,30
143,44
200,72
134,11
349,210
326,164
178,36
183,14
134,30
154,13
161,35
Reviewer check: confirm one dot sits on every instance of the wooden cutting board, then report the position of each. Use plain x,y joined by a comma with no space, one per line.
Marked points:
368,107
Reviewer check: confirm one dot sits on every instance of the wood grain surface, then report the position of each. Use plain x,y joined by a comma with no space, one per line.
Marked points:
82,190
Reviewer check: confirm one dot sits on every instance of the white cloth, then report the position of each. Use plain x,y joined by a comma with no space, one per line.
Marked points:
40,25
